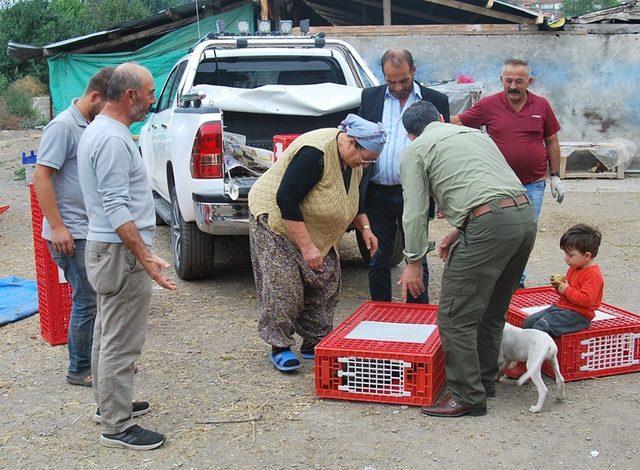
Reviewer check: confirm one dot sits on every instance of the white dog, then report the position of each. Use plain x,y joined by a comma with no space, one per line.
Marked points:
535,347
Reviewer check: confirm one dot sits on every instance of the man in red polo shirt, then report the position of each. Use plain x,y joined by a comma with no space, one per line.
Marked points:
524,128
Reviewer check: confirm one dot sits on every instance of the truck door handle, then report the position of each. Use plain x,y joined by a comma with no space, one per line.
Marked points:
163,125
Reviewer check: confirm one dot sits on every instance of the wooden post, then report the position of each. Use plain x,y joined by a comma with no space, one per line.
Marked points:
264,9
386,12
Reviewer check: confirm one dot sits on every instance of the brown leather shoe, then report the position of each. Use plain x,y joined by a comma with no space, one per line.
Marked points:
449,408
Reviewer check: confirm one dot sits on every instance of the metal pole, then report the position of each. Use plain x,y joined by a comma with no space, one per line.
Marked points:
386,12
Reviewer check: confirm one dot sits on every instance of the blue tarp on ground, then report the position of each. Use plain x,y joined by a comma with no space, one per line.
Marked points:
18,299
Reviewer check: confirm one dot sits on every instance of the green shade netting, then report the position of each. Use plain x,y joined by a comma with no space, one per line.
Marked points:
70,73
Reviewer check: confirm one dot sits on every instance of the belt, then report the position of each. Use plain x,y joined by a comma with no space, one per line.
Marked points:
503,203
386,188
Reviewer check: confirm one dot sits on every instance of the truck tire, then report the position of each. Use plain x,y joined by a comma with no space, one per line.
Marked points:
192,249
398,247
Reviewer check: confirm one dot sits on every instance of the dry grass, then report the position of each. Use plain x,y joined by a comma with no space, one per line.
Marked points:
30,86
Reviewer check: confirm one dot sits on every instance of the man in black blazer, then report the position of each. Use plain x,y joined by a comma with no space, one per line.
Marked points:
380,187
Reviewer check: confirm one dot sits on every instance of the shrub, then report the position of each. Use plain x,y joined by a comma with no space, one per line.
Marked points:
18,103
7,121
16,110
30,85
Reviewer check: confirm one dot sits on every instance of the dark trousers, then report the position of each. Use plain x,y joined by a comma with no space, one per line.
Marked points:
556,321
479,278
384,208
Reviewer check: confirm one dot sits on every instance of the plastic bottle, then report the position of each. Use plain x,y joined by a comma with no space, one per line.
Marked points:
29,162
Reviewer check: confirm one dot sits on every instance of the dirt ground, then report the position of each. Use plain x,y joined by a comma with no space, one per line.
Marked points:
203,361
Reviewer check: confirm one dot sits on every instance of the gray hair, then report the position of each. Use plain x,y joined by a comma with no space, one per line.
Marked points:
418,116
518,63
123,78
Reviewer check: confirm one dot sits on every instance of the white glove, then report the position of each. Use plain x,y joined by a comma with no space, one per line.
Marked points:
557,188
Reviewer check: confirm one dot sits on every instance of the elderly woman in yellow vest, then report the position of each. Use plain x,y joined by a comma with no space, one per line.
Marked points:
300,209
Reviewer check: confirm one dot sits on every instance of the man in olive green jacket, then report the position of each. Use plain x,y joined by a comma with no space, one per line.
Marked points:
485,255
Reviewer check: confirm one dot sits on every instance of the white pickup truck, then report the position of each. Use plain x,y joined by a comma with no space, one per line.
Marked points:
235,93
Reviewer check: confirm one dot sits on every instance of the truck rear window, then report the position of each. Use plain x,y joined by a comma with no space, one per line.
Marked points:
253,72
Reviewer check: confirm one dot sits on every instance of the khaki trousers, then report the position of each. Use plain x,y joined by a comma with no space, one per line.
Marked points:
123,294
481,274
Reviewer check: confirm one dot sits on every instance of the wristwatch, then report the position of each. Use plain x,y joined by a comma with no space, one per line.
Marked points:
555,174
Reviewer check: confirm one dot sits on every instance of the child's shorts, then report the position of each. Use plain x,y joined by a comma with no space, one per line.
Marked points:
556,321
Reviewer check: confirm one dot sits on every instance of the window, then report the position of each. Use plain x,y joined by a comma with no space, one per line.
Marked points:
170,88
176,82
253,72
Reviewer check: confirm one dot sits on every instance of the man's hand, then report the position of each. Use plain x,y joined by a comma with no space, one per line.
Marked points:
312,256
557,188
440,214
62,240
370,241
445,245
154,265
411,280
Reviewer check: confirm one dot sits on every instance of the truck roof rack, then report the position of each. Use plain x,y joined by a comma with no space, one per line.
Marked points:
235,41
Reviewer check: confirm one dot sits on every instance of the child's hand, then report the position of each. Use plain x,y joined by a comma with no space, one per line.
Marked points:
560,286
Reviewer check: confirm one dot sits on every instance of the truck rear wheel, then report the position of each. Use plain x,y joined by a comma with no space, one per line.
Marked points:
192,249
398,248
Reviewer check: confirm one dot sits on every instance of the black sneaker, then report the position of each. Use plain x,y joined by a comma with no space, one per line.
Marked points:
135,438
138,408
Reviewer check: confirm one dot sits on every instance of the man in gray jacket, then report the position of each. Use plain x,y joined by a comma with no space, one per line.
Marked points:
120,207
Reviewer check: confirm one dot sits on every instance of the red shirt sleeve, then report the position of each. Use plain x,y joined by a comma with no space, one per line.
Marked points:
588,293
551,124
474,116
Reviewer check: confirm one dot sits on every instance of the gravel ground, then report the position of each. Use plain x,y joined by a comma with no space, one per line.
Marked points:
204,362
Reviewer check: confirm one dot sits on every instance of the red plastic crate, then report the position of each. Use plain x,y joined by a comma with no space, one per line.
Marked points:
281,142
54,297
610,346
382,370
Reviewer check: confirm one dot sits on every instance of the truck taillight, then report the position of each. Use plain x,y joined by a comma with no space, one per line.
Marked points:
206,155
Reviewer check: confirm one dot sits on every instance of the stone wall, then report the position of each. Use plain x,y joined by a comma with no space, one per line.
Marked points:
591,80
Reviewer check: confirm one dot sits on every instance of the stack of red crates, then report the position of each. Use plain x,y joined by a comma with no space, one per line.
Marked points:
54,297
389,370
281,142
610,346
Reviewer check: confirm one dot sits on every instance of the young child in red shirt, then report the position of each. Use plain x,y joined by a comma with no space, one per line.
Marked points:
581,291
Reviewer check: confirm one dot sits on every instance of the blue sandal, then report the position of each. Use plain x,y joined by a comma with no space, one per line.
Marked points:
280,359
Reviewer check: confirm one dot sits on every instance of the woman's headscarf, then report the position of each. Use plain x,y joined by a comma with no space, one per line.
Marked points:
368,134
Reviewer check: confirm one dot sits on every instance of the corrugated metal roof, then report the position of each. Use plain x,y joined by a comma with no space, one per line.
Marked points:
134,34
626,13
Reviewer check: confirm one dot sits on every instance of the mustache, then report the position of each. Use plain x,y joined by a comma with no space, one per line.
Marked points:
514,91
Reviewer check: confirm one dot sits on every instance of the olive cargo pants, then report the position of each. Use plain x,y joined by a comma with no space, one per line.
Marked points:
479,278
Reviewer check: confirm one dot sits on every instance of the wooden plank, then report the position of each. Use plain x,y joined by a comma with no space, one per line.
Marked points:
386,12
588,175
434,30
486,12
127,38
264,9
